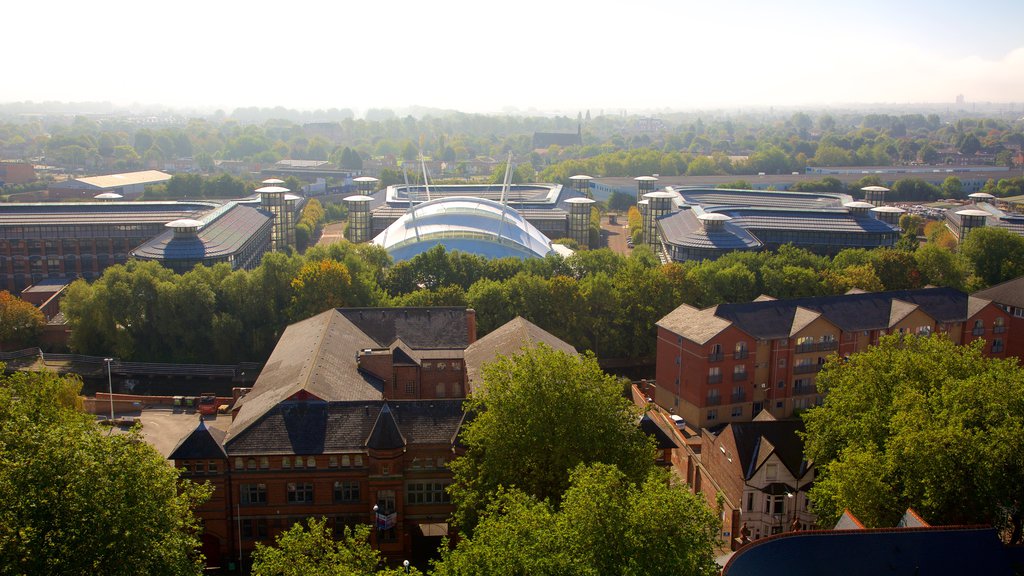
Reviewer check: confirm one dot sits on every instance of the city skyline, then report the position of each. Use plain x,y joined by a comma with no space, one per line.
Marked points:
530,56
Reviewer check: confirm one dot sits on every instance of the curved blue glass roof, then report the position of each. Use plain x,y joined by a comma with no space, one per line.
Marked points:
473,225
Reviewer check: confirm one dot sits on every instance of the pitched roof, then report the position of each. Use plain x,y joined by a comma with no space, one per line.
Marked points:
385,434
695,325
508,340
755,441
318,355
432,327
801,318
203,443
975,305
655,427
771,319
1009,293
314,427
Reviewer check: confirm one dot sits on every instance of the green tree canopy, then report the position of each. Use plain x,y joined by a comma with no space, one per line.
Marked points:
20,322
312,551
923,423
607,524
320,285
79,500
996,254
538,415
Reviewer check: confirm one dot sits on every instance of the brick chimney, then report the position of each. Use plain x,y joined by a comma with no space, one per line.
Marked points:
471,324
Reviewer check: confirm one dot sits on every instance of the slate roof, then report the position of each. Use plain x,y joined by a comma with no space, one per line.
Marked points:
225,235
318,355
695,325
385,434
438,327
203,443
1009,293
850,312
782,439
314,427
508,340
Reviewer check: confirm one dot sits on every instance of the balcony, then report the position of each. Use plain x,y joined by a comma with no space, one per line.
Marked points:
978,331
714,400
738,397
714,379
805,348
740,355
739,376
715,357
828,345
999,329
804,389
807,368
997,349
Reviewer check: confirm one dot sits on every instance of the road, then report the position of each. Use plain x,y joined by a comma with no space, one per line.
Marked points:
333,232
614,236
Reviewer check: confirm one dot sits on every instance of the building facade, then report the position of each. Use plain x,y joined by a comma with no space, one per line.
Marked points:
729,362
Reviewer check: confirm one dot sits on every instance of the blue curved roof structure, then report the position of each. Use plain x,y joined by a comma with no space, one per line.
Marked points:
473,225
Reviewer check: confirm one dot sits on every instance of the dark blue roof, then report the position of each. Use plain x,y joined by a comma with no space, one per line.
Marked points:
770,319
905,551
225,235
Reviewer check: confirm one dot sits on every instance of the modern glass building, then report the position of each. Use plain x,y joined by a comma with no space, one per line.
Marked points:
234,233
708,223
472,225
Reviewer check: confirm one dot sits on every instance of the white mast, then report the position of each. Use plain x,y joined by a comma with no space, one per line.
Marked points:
504,194
426,186
412,211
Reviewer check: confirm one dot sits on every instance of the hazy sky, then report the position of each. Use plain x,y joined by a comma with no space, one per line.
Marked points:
485,56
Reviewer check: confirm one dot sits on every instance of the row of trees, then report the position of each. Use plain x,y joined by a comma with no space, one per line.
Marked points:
596,300
690,144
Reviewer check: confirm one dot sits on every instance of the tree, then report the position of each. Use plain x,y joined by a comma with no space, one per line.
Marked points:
319,286
20,322
996,254
79,500
311,551
940,266
537,416
919,422
952,187
606,525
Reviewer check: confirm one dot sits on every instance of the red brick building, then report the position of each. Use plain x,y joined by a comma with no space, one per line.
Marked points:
760,472
1009,296
17,172
729,362
355,409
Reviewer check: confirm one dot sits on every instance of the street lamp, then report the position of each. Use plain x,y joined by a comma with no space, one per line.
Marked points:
406,564
110,387
376,524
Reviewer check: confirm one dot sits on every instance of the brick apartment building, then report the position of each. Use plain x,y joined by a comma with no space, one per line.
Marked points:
1009,296
355,409
729,362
